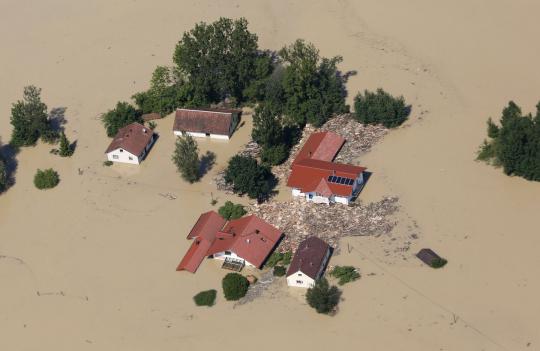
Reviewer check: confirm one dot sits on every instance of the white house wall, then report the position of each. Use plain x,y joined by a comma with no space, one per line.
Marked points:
202,135
300,280
123,157
222,256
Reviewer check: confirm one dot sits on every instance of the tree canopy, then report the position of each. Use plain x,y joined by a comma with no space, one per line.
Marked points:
46,179
120,116
231,210
235,286
66,148
323,297
29,118
220,60
247,176
186,158
313,86
205,298
515,144
380,108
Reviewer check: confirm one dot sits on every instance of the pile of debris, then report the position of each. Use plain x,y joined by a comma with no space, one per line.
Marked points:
257,289
299,219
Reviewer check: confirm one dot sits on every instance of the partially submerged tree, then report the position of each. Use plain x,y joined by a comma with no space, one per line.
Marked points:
120,116
186,158
515,145
205,298
66,149
231,210
313,87
247,176
220,59
345,274
235,286
29,119
46,179
323,297
380,108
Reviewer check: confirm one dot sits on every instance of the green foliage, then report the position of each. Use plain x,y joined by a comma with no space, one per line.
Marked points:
235,286
29,118
231,211
205,298
345,274
279,257
249,177
286,258
66,149
270,135
438,263
220,60
323,297
122,115
313,87
186,158
50,136
46,179
275,155
279,271
515,145
380,108
108,163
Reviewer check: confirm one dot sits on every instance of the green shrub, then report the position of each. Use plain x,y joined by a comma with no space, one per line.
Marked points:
205,298
438,263
286,258
231,211
274,259
323,297
46,179
66,150
152,125
120,116
108,163
235,286
279,271
380,107
345,274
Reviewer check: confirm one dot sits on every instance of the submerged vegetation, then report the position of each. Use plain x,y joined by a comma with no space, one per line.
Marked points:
515,144
46,179
249,177
380,108
205,298
231,211
323,297
186,158
120,116
345,274
235,286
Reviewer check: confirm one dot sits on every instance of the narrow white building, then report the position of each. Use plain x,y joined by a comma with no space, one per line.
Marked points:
308,263
203,123
131,144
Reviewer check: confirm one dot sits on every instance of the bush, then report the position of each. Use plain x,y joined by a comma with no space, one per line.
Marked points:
152,125
46,179
345,274
235,286
438,263
380,108
66,150
323,297
248,177
286,258
107,163
231,211
205,298
274,259
279,271
120,116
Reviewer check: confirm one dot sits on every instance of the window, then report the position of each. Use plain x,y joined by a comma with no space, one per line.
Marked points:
299,282
228,253
299,274
131,158
121,150
207,134
115,157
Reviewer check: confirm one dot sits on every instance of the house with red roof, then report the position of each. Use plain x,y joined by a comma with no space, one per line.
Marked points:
317,178
246,241
131,144
215,123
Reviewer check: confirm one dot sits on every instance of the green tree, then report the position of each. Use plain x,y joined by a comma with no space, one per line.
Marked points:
235,286
29,118
323,297
186,158
231,210
314,88
345,274
66,149
380,108
220,59
249,177
46,179
120,116
205,298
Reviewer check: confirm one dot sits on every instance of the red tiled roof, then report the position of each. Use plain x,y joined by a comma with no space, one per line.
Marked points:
213,121
309,257
249,237
313,165
320,146
133,138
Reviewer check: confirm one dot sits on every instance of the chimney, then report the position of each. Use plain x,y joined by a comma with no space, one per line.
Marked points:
247,241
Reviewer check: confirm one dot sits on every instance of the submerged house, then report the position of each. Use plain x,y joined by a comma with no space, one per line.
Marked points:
308,263
317,178
244,241
131,144
212,122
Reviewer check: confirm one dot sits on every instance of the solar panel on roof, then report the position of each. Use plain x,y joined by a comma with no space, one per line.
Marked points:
342,181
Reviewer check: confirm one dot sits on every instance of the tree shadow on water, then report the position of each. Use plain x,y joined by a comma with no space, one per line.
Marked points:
207,162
